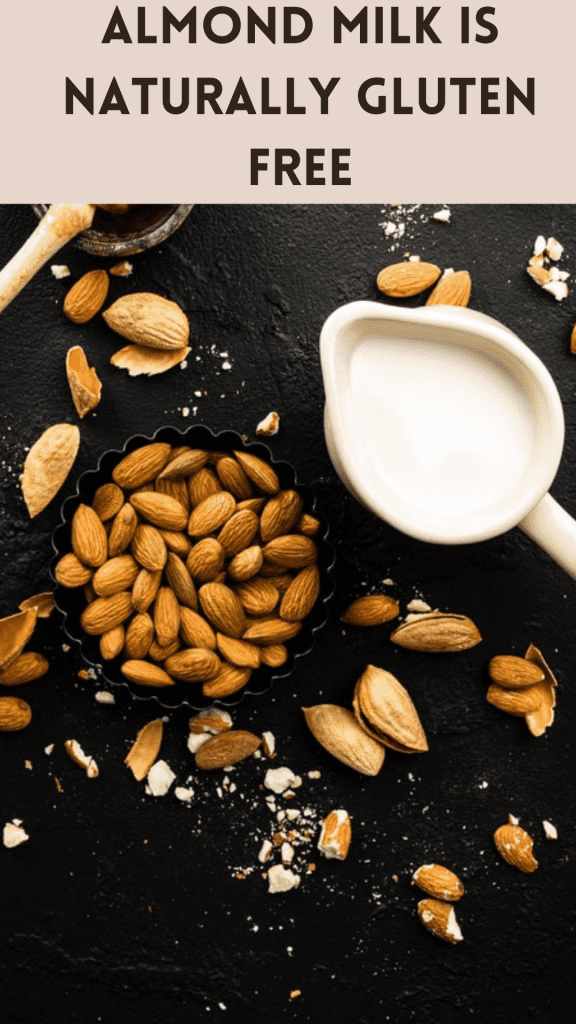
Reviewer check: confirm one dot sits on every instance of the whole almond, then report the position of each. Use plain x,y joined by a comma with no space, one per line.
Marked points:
87,296
106,612
308,525
452,290
194,664
400,280
260,472
112,642
339,733
179,543
515,702
115,575
149,548
202,485
227,748
15,632
291,551
122,530
139,636
573,340
223,609
141,465
439,882
254,504
88,537
258,596
47,465
205,560
372,610
24,669
281,582
185,464
145,674
176,489
237,652
85,385
271,631
273,655
70,572
107,501
246,563
440,919
158,653
15,714
178,577
195,631
229,680
166,616
160,510
138,359
211,514
145,749
150,320
145,588
384,708
437,632
238,532
515,847
280,514
233,478
301,595
514,673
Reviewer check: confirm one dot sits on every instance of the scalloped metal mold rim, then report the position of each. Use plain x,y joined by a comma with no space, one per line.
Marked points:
68,603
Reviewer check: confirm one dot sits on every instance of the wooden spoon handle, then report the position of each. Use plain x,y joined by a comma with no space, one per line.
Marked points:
59,225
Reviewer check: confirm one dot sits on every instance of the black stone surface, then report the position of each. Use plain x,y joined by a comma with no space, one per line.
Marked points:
126,907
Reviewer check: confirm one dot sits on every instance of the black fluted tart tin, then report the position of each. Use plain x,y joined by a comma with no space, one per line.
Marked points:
71,602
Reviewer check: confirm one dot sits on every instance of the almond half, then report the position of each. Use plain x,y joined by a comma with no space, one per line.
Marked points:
85,386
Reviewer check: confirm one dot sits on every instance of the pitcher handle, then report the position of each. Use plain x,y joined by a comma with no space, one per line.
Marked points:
554,530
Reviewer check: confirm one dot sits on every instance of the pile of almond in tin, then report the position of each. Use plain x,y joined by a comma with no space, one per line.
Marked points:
196,566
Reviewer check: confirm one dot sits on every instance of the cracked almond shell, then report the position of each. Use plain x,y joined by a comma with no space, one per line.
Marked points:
47,465
384,709
85,385
337,730
145,749
538,721
15,632
149,320
437,632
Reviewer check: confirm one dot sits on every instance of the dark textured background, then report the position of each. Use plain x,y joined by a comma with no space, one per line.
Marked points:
126,907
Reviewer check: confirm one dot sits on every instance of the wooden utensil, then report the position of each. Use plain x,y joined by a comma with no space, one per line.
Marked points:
61,223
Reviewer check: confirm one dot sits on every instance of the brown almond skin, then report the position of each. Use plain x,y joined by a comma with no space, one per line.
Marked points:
27,667
115,575
280,514
141,465
106,612
70,572
184,464
88,537
260,472
122,531
515,702
176,489
195,631
271,631
86,297
291,551
211,514
139,636
158,653
145,588
145,674
308,525
515,846
160,509
453,290
227,748
514,673
178,577
150,320
274,655
179,543
205,560
258,596
15,714
112,642
107,501
372,610
166,616
301,595
238,652
246,564
234,479
193,665
201,485
149,548
229,680
401,280
437,632
223,609
238,532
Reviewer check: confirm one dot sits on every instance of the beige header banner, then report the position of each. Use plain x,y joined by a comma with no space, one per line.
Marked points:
311,102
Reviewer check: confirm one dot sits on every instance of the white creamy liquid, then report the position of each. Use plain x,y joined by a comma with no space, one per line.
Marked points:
446,428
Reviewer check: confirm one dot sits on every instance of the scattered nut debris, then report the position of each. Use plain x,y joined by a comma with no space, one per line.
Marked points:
281,779
335,836
60,270
281,879
104,697
76,754
122,269
14,834
160,778
550,830
440,919
269,426
442,215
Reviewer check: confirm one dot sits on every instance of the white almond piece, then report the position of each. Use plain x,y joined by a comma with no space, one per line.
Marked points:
196,739
559,289
212,720
334,841
512,820
281,879
160,778
417,605
269,425
265,851
60,270
49,749
553,249
442,215
269,744
539,245
76,754
287,853
281,779
550,830
14,834
184,793
104,697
